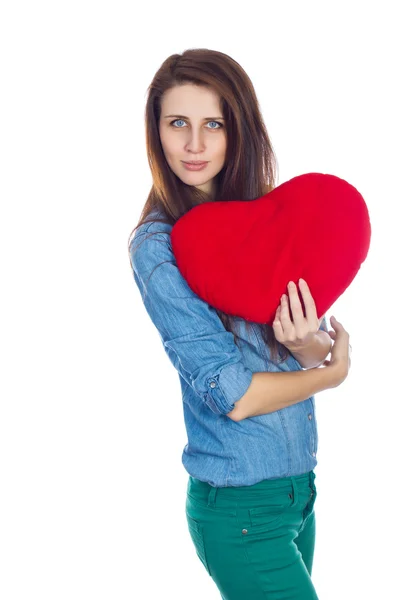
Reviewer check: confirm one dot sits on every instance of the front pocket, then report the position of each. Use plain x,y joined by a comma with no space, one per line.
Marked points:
267,516
196,533
201,505
270,513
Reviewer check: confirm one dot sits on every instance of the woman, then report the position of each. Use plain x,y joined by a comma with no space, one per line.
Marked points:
247,388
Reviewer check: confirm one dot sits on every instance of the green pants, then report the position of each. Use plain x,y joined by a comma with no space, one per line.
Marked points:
256,542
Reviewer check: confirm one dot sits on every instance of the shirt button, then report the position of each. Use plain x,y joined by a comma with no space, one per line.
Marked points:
213,384
244,530
313,453
310,417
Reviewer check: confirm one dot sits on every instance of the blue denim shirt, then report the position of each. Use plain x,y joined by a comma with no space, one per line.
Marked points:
214,373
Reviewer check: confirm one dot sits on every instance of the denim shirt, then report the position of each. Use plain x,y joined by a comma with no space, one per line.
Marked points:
215,373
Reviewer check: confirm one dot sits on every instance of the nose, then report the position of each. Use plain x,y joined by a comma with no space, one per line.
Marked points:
195,142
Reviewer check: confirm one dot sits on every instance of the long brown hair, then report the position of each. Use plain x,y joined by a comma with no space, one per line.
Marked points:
250,164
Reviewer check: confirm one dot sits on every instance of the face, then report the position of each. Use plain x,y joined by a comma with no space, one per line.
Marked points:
192,129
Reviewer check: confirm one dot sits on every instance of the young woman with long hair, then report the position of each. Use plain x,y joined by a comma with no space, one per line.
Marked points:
248,398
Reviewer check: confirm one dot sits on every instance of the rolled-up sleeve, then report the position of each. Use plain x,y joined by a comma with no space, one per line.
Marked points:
205,352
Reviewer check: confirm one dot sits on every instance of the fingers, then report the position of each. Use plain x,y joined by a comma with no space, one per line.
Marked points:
295,305
336,324
309,304
338,327
277,325
285,318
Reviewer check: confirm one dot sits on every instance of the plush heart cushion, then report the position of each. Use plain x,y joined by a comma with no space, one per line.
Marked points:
239,255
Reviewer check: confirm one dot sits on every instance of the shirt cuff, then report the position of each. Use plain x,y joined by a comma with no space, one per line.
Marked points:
227,387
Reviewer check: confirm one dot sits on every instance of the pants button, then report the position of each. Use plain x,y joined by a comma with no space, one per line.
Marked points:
244,530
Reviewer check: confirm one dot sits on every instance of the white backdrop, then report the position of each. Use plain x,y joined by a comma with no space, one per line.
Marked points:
92,489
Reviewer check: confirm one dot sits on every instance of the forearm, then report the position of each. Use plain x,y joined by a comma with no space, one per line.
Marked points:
316,352
269,392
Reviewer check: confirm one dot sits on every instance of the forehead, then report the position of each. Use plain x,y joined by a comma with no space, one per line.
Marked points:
190,99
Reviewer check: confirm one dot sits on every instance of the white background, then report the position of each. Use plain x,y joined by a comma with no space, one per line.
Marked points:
92,489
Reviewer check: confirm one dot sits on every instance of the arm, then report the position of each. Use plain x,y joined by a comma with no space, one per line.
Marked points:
269,392
194,337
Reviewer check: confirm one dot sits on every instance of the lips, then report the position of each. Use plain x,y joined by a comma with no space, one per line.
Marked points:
195,166
195,162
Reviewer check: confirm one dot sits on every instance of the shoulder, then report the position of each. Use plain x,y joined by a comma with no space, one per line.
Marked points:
151,243
152,225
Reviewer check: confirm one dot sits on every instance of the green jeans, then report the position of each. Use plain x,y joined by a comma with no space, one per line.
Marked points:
256,542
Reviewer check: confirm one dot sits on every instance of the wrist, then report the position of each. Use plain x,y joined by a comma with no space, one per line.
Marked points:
299,348
337,373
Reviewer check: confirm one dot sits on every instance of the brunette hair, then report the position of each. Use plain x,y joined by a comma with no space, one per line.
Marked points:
250,164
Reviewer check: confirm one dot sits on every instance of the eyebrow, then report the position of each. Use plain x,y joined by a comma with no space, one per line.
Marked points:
205,118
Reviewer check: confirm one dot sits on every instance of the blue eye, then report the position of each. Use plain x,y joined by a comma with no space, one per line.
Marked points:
218,123
176,120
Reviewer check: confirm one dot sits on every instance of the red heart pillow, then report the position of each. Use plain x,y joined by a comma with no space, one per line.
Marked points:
240,255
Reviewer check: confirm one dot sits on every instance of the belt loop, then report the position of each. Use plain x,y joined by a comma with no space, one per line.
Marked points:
295,491
211,496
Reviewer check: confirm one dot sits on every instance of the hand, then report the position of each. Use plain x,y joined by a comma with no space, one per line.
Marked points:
299,333
340,360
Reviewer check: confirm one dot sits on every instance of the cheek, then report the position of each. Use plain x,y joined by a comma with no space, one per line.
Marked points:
221,147
172,146
167,140
221,153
